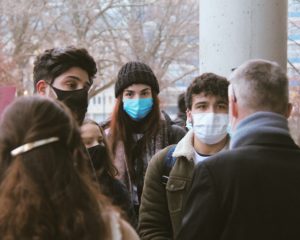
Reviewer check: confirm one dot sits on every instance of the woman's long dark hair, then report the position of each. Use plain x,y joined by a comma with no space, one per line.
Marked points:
122,126
47,192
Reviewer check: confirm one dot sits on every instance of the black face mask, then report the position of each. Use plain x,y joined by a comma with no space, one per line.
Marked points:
76,100
97,153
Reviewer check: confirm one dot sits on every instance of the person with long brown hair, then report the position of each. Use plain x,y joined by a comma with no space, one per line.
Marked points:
138,129
46,191
95,141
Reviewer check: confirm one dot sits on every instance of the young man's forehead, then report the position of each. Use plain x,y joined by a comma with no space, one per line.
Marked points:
203,97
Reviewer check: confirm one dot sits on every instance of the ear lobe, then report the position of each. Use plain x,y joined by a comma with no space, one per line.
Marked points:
289,110
41,87
189,115
234,107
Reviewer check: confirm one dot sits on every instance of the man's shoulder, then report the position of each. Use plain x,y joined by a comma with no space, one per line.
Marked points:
252,156
157,161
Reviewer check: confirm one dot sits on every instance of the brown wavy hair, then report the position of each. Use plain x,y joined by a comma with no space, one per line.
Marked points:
47,192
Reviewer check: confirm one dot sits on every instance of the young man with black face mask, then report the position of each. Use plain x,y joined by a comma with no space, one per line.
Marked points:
65,74
169,174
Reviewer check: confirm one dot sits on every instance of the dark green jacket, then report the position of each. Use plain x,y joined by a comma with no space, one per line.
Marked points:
162,205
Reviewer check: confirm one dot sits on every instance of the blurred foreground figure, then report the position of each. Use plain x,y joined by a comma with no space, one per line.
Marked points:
45,190
251,191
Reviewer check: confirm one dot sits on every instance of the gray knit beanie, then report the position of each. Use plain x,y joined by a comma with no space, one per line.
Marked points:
135,72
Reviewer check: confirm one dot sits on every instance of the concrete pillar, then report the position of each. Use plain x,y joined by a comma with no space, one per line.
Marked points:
233,31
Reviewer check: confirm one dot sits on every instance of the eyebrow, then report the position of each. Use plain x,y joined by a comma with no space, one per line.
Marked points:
126,90
73,77
201,102
143,90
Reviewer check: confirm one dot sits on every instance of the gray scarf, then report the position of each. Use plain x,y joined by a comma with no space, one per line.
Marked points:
259,122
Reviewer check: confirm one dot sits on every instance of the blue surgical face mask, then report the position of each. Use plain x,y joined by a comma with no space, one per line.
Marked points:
139,108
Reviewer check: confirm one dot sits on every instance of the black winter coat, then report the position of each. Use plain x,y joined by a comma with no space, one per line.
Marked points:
250,192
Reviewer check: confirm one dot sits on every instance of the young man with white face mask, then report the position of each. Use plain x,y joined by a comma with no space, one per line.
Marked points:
166,186
252,190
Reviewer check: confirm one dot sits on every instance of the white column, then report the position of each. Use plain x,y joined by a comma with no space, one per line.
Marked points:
233,31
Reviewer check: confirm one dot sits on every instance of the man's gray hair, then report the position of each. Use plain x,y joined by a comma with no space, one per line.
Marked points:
260,85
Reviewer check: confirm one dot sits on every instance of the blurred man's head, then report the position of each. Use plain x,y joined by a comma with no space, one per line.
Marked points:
258,85
65,74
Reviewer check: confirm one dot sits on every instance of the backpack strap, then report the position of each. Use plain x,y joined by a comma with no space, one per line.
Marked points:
169,162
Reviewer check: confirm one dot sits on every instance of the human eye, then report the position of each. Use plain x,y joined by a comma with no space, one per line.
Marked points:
71,85
222,106
201,106
145,94
128,94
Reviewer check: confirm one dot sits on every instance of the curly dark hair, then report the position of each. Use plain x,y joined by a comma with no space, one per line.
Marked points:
208,83
54,62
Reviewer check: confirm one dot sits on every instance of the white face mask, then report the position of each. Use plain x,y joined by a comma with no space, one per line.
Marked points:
210,128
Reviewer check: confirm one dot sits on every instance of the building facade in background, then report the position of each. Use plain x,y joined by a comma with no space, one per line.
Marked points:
294,42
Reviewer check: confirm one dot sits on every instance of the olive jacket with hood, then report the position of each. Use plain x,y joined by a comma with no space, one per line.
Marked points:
161,207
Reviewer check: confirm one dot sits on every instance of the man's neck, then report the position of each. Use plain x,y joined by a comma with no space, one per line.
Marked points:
206,149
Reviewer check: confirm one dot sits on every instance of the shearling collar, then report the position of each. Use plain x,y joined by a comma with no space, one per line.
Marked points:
185,147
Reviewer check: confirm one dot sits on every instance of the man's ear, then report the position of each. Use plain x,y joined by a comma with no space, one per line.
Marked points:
41,87
233,108
189,115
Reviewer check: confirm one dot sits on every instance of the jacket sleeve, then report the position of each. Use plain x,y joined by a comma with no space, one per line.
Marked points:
154,219
201,218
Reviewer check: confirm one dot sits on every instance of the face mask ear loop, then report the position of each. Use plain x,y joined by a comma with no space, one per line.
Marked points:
51,88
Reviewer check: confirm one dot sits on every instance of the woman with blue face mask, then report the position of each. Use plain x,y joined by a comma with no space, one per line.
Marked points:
138,129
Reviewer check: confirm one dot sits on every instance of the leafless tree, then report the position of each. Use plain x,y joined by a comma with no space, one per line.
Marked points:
163,33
